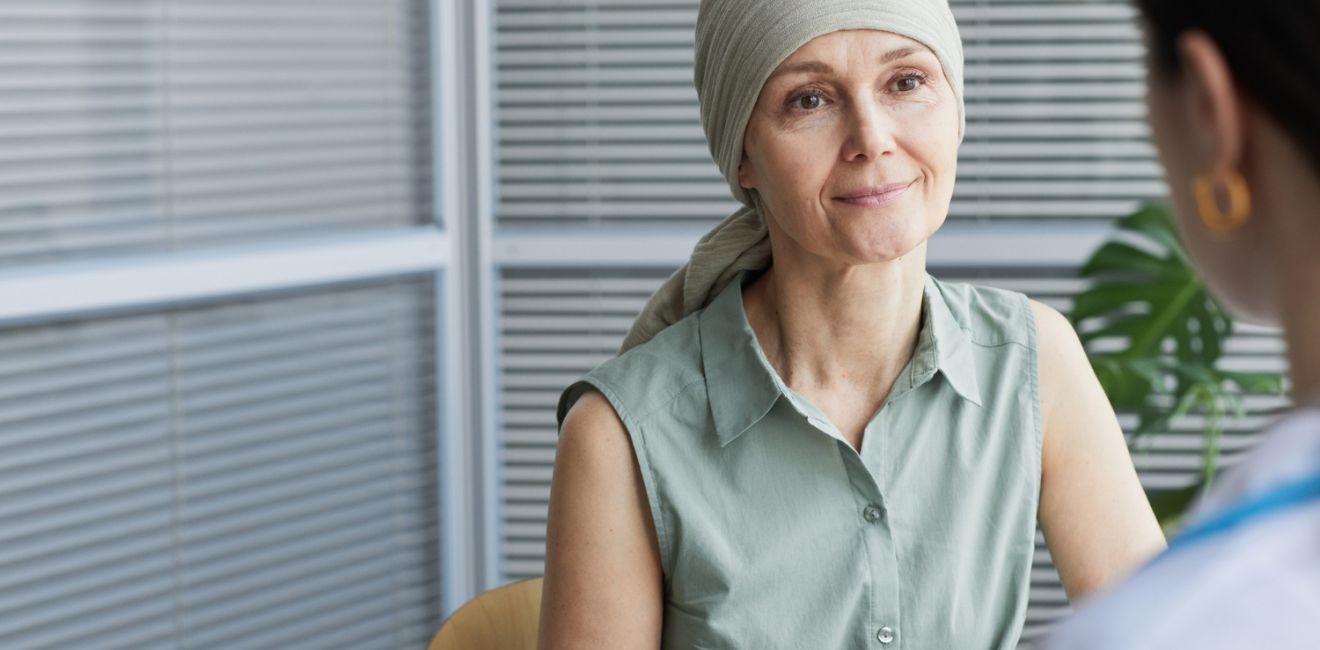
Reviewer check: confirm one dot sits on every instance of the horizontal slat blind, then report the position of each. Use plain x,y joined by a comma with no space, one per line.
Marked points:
134,125
1055,115
558,324
255,474
598,120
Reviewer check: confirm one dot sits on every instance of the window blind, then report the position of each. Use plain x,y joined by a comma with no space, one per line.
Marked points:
147,125
253,474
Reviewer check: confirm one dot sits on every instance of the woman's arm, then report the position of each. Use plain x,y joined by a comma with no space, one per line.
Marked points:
603,582
1093,511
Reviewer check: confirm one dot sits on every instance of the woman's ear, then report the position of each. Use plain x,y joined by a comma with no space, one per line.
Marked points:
745,173
1217,109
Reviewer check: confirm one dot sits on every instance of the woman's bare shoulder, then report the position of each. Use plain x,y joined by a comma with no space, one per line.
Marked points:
603,576
594,418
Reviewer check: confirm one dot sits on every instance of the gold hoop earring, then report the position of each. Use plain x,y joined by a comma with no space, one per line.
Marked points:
1219,221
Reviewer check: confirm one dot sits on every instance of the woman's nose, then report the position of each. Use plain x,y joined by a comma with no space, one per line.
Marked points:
870,131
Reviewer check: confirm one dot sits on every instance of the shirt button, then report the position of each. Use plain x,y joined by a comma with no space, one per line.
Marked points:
885,635
871,513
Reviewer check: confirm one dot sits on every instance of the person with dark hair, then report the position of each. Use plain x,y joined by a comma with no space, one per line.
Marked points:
1234,98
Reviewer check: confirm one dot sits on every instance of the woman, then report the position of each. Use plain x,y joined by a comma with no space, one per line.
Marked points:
808,441
1233,97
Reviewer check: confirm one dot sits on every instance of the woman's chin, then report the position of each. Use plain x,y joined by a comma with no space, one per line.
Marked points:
879,249
884,240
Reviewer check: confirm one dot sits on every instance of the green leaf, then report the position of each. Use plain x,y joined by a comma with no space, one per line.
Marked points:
1256,382
1125,258
1170,505
1153,221
1151,418
1239,409
1125,385
1145,296
1168,319
1125,327
1150,369
1103,298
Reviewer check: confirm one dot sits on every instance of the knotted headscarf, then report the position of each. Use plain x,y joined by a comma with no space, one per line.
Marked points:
738,44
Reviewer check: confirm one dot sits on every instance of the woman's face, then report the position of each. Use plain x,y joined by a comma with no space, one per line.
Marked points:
852,146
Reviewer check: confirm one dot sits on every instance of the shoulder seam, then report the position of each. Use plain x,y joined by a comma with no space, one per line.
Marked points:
671,398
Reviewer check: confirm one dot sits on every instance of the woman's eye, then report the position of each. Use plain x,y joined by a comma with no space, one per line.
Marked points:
908,83
807,101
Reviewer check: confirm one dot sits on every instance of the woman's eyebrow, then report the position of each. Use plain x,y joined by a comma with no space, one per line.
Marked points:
824,68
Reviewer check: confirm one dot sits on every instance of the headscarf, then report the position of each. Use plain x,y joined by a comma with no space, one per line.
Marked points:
739,43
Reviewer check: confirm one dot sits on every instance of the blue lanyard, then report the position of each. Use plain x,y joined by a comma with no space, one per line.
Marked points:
1288,495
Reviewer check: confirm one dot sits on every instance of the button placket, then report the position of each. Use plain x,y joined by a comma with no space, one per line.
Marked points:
881,557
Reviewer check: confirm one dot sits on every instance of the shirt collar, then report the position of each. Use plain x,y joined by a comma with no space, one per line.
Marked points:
741,386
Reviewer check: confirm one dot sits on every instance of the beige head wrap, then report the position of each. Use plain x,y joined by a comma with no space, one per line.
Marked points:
739,43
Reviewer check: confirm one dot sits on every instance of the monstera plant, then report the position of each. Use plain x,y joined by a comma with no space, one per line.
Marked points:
1155,337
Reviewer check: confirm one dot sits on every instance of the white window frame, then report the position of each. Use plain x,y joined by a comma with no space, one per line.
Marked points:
34,295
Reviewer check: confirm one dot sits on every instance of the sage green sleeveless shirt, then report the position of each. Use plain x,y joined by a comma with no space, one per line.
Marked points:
775,533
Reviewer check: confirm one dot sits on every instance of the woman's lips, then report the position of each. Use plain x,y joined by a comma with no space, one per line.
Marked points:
878,196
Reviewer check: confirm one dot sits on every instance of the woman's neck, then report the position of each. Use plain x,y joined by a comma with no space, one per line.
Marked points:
1285,188
1300,318
840,328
